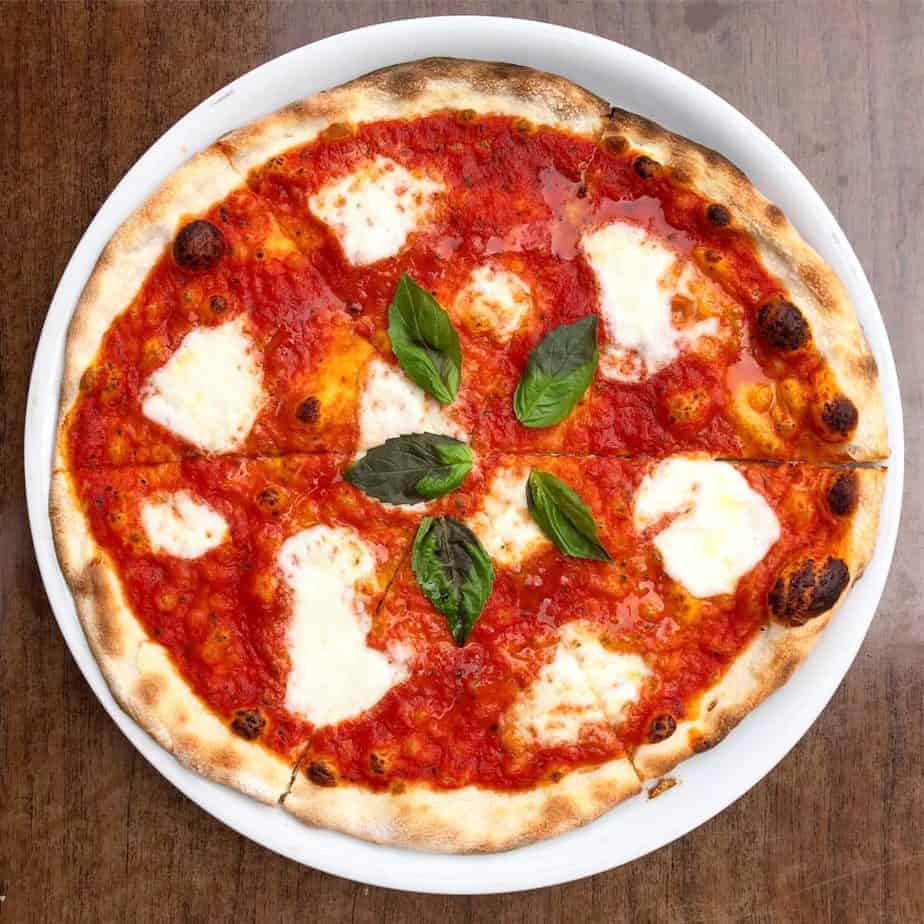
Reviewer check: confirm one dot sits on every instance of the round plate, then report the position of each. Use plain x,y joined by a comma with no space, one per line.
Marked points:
632,81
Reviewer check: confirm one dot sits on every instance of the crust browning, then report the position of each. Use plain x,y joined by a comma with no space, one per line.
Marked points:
129,256
416,89
771,657
464,820
140,674
813,285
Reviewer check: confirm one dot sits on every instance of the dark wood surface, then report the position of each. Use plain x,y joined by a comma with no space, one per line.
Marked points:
89,831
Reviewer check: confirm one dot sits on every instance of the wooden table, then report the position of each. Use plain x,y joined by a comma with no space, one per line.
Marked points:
89,831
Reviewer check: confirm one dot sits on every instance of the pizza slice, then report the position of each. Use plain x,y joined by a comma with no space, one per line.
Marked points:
226,601
636,610
532,207
204,331
722,329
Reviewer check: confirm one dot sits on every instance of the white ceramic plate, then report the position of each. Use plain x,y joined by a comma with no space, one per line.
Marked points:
634,81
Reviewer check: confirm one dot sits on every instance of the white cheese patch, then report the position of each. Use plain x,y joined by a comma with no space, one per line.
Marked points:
559,702
504,525
633,270
182,526
584,683
722,527
495,300
615,677
391,405
334,674
374,208
210,390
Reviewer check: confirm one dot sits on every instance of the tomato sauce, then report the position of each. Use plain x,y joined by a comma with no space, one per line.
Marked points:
520,198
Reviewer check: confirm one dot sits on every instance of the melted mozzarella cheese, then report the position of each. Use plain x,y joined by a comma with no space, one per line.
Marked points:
495,300
180,525
334,674
633,271
585,683
722,527
210,390
503,524
559,702
374,208
615,677
392,405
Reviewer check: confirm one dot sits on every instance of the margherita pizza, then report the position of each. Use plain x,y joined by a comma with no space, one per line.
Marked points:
449,453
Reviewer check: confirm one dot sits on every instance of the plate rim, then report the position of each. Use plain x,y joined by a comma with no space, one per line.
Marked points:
438,873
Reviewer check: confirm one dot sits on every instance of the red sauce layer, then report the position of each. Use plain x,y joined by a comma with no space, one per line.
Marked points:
519,198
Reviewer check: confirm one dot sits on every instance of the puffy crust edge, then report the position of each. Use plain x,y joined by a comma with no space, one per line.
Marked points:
419,88
140,674
812,284
466,820
771,657
127,259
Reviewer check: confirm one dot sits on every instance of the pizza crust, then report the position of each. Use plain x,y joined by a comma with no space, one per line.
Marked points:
140,673
812,284
417,89
770,659
129,257
466,820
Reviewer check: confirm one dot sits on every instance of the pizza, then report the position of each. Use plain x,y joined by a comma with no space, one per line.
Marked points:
447,455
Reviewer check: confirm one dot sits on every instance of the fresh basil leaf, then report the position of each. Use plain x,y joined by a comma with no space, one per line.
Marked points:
411,469
558,372
453,571
424,340
563,517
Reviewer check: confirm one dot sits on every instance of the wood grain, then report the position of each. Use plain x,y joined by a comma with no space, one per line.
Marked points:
89,832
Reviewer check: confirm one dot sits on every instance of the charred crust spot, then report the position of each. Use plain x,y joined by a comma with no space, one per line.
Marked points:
839,416
866,367
218,304
832,582
662,786
616,144
808,590
198,246
309,410
337,131
781,325
268,497
791,592
718,215
320,774
402,84
646,167
248,723
662,727
377,763
843,494
149,691
775,214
